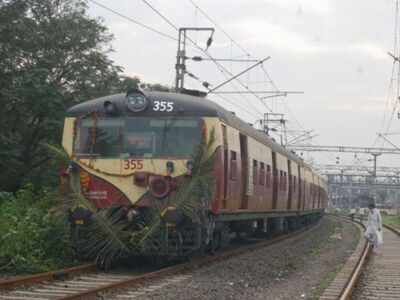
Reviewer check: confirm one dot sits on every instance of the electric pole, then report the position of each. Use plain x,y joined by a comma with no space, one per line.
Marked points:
181,57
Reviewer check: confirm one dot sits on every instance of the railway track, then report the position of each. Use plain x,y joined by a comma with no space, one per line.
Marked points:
369,277
92,284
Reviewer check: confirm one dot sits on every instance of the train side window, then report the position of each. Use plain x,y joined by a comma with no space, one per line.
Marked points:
294,183
233,165
262,173
268,176
255,167
284,181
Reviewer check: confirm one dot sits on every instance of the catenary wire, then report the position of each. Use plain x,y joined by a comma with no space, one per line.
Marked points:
220,66
220,28
396,54
246,52
134,21
155,31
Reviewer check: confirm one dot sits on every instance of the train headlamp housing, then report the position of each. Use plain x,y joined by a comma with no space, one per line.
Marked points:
159,186
170,167
136,101
189,168
110,108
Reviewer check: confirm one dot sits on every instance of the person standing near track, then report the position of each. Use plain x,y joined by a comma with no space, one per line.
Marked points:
373,233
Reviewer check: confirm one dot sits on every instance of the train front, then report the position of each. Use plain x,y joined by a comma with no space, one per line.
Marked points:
132,153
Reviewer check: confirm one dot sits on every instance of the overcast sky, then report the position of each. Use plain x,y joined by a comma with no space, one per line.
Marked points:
334,51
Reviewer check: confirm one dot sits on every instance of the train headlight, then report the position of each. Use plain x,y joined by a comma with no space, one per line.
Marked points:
110,108
136,101
170,167
159,187
189,168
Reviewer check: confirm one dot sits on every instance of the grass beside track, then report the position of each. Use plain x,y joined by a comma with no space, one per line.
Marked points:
392,221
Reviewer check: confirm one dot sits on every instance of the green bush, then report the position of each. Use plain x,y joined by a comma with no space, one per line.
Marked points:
33,237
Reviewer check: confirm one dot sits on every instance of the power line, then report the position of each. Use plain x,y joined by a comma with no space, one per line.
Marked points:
134,21
242,108
395,54
285,103
160,14
233,41
225,99
237,75
219,27
220,66
162,34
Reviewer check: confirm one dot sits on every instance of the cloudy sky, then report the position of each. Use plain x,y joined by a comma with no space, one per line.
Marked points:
333,50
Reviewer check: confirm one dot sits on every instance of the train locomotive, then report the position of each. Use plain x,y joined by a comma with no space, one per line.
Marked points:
135,150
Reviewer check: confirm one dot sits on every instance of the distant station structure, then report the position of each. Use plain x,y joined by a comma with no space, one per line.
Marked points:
352,186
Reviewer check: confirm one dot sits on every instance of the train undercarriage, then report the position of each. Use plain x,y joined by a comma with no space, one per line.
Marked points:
184,239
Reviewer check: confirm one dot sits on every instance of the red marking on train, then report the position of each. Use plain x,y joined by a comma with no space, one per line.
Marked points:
133,164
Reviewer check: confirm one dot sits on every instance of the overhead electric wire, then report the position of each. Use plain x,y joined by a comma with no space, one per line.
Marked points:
285,103
160,14
220,66
229,37
224,98
396,54
156,31
134,21
246,52
219,27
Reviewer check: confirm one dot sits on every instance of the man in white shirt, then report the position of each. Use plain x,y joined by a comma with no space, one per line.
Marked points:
373,233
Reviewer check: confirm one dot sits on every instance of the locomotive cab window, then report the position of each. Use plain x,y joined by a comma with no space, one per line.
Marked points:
142,137
100,137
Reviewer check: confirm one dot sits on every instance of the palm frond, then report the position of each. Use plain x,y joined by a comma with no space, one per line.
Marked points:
192,197
58,153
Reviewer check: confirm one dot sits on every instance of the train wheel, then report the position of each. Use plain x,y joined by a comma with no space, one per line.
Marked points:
77,241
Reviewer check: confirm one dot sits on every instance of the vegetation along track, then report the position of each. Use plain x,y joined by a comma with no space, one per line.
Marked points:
369,277
94,284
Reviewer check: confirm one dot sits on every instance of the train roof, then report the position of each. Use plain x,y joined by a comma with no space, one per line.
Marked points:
184,105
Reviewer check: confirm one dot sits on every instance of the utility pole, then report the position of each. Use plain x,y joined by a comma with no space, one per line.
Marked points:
181,57
275,119
375,156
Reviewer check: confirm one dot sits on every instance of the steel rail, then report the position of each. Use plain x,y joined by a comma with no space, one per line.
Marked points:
40,277
341,287
201,262
349,288
347,292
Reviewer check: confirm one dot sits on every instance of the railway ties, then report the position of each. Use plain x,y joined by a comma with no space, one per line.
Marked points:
93,284
368,276
58,289
381,277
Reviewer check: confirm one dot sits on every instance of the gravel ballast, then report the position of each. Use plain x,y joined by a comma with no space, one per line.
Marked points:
298,268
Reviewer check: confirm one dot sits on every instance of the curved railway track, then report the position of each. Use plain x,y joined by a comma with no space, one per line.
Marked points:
369,277
90,284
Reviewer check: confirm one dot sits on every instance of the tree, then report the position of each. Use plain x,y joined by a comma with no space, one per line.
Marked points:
52,55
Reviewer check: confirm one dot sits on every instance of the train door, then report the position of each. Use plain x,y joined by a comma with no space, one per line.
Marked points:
300,189
290,183
245,171
274,182
225,154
